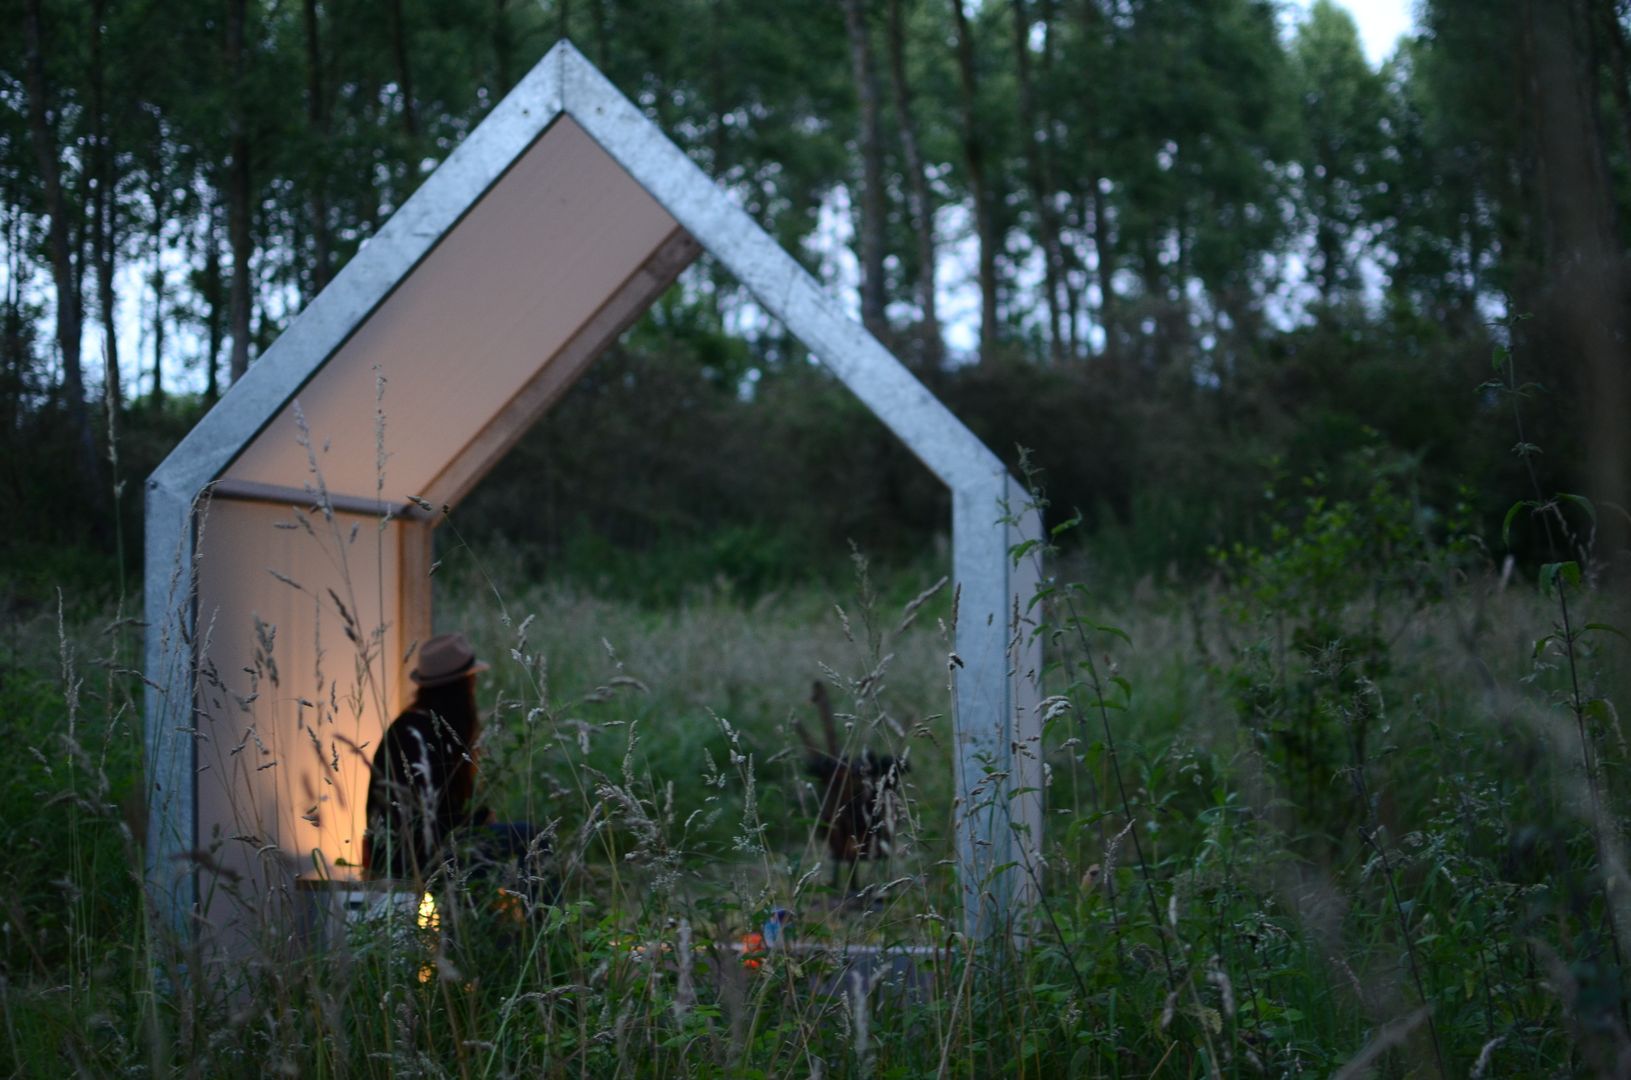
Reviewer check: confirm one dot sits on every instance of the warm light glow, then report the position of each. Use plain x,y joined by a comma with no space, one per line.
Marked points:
431,920
312,721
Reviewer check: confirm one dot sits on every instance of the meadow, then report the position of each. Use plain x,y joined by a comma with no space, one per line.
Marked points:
1336,765
1353,804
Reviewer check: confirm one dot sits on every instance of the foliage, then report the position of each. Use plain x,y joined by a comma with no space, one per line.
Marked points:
1219,898
1312,607
1340,791
1261,242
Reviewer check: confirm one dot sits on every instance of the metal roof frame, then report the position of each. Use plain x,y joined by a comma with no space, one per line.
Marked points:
997,661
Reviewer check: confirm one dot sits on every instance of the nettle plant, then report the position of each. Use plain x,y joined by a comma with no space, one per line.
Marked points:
1590,748
1311,622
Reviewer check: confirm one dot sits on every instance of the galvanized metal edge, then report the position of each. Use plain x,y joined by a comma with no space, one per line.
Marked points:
368,278
786,290
169,746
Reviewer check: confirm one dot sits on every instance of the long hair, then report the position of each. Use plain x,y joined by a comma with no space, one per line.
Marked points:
422,780
454,704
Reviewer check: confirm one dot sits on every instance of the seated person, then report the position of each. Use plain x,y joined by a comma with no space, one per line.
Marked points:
420,817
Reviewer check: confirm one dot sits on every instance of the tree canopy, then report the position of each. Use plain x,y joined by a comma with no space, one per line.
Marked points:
1171,246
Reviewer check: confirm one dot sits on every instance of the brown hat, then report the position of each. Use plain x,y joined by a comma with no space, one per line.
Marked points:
444,659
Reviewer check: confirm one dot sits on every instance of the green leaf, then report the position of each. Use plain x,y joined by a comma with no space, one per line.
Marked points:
1615,630
1506,525
1065,526
1568,571
1117,631
1582,502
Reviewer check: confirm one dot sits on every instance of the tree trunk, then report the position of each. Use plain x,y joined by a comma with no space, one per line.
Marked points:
1073,295
921,199
1586,271
974,161
716,87
872,195
1105,257
12,347
502,45
317,117
1041,180
211,293
239,193
63,271
404,74
103,228
1092,27
1055,135
1607,25
603,35
161,209
14,351
156,391
1327,242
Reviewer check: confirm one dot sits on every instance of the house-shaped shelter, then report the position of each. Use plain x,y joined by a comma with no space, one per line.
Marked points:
289,535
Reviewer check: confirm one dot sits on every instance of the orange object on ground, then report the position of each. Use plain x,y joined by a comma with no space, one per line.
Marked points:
753,950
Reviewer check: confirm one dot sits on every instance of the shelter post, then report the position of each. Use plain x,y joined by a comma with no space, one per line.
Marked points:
168,704
997,551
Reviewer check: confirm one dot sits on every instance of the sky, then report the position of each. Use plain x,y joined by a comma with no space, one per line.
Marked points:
1381,24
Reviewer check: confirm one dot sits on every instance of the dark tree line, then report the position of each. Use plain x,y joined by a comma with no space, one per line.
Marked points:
1194,241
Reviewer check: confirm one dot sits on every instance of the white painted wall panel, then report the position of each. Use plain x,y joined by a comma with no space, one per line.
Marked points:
287,732
472,325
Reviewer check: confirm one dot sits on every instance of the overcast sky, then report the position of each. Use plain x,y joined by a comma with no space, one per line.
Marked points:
1381,24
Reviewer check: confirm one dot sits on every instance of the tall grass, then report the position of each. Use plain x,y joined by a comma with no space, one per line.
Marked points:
1323,815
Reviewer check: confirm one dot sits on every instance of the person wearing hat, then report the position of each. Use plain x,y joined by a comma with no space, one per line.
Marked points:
421,824
424,773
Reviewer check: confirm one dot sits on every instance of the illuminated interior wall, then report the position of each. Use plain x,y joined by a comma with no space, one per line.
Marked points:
301,658
460,337
465,352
